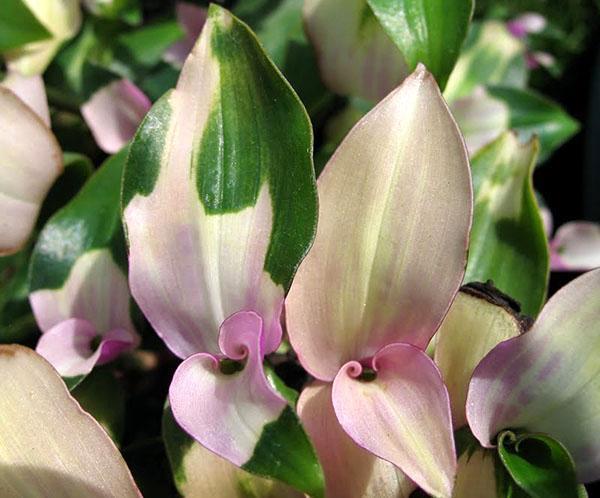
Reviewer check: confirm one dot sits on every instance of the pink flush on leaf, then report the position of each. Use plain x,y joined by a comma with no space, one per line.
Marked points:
547,380
85,322
395,207
199,276
113,114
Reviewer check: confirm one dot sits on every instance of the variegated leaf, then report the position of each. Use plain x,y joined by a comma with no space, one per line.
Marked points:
491,56
219,198
508,244
78,284
393,228
547,380
199,473
61,19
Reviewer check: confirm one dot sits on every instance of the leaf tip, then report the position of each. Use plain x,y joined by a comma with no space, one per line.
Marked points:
219,16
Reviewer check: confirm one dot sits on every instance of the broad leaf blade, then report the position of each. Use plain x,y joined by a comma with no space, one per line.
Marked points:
508,244
389,213
50,446
349,469
426,31
546,381
32,161
540,465
219,192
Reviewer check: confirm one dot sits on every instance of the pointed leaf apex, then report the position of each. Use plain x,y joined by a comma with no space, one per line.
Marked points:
421,70
219,15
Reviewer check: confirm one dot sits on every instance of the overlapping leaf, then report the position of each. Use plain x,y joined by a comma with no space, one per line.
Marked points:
508,244
426,31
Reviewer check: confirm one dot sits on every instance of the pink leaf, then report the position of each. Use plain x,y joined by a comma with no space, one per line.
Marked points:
68,346
548,379
227,412
113,114
402,416
350,471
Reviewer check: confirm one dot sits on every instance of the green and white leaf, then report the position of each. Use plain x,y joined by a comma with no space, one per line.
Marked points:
219,194
279,27
508,244
78,271
491,56
60,19
197,472
18,25
90,221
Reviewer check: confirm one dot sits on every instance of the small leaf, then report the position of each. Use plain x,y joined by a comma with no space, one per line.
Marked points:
129,11
78,284
19,26
73,74
426,31
78,169
532,114
540,465
508,244
61,19
90,221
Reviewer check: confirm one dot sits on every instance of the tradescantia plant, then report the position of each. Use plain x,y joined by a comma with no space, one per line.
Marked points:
292,249
219,204
388,289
